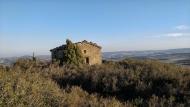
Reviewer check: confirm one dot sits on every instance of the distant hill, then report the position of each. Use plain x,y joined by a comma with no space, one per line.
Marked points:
11,60
178,56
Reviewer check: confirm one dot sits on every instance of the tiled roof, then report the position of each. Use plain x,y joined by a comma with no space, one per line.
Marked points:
84,41
91,43
59,47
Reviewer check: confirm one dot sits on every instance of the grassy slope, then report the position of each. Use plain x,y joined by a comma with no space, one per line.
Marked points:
112,84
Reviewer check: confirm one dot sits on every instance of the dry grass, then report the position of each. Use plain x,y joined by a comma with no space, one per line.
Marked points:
113,84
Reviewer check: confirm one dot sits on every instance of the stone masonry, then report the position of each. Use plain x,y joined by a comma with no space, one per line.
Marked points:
91,52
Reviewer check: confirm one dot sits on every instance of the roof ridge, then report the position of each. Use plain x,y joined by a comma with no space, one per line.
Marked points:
84,41
91,43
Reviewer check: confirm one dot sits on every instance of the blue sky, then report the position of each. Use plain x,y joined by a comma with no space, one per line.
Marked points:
39,25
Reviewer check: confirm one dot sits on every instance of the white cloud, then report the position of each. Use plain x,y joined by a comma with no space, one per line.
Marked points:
174,35
177,34
182,27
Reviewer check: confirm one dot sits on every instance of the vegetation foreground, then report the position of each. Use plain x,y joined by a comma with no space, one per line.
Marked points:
127,83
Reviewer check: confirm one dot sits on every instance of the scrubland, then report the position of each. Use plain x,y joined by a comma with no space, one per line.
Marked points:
127,83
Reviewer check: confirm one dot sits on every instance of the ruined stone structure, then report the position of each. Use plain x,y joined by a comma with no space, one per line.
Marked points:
91,52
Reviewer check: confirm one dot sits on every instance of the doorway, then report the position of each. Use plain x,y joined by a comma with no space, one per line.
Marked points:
87,60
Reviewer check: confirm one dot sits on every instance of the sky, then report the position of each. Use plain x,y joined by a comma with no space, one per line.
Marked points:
28,26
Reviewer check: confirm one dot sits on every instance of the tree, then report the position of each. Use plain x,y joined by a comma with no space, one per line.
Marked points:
33,57
72,54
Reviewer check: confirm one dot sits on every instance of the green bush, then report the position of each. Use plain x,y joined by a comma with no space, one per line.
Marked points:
72,54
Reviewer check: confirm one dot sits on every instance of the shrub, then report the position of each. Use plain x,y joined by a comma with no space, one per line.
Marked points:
31,84
113,84
72,54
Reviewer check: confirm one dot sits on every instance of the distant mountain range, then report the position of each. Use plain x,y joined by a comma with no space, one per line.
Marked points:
11,60
177,56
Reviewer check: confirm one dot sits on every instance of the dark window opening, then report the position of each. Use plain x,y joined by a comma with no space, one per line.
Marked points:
87,60
84,51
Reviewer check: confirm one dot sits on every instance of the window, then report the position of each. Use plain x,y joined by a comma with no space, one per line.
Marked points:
84,51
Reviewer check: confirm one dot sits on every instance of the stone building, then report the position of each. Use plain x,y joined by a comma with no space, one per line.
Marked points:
91,52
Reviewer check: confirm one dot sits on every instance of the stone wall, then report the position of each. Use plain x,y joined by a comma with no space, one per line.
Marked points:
91,52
